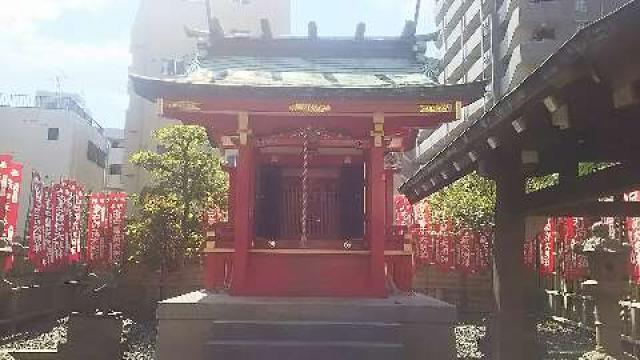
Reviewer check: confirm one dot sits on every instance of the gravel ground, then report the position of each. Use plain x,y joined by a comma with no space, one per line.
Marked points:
557,341
139,337
563,342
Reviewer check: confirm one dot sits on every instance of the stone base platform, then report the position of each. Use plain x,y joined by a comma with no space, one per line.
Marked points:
202,325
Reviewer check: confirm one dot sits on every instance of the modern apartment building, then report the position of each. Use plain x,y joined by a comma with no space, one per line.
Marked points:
502,42
116,159
54,135
161,45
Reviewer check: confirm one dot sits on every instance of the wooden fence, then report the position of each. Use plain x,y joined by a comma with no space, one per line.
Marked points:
471,293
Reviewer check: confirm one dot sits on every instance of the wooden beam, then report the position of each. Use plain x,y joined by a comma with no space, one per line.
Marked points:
596,209
614,180
512,333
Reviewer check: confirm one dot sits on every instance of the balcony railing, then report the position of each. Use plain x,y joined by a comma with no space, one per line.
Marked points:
48,102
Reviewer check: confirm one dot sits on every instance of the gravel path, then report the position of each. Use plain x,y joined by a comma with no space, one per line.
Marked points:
559,341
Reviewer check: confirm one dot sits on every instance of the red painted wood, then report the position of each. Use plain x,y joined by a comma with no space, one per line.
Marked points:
338,106
401,269
358,127
308,275
389,190
231,171
243,226
317,161
377,219
217,270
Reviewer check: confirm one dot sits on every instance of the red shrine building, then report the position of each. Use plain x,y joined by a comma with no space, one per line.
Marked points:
308,126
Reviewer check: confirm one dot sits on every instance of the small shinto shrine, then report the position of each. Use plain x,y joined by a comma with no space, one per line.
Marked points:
309,127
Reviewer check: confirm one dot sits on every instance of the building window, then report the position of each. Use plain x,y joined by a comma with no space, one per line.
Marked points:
115,169
543,33
581,6
117,144
96,155
53,134
173,67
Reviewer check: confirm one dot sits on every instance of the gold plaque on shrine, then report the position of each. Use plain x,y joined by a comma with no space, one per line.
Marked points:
435,108
310,108
182,105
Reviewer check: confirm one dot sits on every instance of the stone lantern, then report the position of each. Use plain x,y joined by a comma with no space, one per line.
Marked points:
607,268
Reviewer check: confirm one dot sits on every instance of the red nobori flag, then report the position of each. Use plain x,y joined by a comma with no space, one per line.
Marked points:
58,235
76,193
12,199
445,256
117,208
468,252
574,266
36,235
105,237
425,246
633,232
403,211
97,219
547,247
5,161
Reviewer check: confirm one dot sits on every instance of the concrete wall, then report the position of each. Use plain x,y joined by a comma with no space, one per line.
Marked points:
24,134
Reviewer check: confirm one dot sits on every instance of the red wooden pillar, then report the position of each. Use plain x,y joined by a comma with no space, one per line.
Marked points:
243,198
378,193
388,176
231,171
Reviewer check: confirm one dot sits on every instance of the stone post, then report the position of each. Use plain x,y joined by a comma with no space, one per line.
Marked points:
607,286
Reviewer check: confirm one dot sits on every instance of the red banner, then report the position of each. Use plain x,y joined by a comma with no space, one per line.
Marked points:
403,211
547,241
633,231
445,248
574,266
105,230
76,193
36,236
5,162
11,180
55,224
425,246
116,211
97,218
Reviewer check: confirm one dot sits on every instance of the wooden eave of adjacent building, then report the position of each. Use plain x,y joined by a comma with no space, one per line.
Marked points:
581,105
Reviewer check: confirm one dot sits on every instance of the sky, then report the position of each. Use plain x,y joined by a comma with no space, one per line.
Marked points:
83,45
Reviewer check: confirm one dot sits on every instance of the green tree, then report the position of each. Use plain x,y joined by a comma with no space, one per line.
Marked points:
187,179
469,201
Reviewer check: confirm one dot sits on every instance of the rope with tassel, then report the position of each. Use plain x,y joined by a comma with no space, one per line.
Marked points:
305,189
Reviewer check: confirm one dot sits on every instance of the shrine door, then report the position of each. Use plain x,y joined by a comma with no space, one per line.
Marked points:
334,203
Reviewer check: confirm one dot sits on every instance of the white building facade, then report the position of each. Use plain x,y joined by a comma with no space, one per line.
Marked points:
55,136
160,46
116,159
502,42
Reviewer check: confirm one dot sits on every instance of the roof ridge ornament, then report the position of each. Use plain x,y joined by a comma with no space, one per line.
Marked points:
409,31
265,27
361,29
312,30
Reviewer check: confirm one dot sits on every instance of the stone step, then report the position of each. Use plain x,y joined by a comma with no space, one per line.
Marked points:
302,350
306,331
